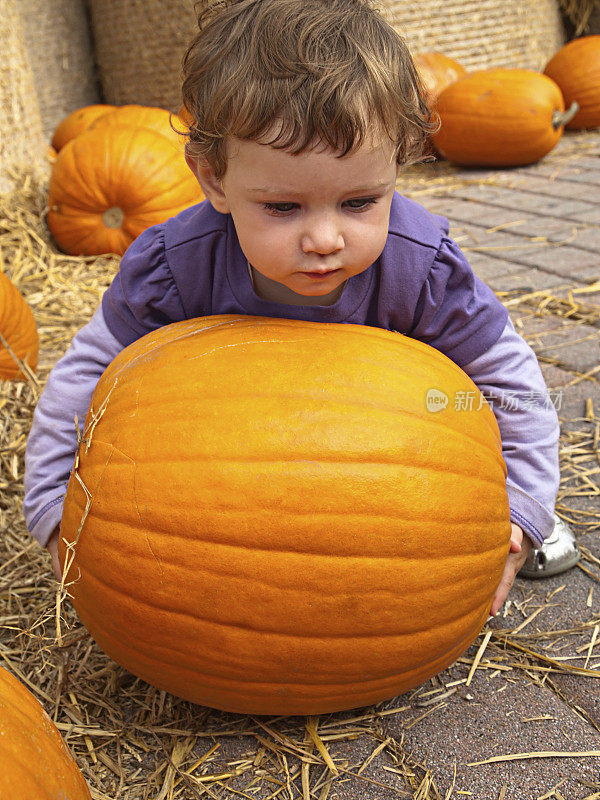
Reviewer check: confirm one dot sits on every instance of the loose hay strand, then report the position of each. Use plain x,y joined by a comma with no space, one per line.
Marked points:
539,754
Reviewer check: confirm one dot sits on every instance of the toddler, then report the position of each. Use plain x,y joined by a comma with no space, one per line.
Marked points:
304,113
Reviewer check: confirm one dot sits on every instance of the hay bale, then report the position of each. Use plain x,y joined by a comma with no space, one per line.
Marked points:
59,47
21,138
481,33
139,46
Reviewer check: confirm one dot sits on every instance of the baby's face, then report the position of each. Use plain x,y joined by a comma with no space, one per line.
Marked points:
309,221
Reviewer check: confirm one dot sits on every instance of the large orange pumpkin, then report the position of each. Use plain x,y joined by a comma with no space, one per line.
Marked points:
77,122
111,183
18,329
499,118
35,763
277,523
576,69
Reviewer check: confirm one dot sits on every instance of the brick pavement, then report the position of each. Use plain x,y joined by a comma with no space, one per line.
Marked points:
526,231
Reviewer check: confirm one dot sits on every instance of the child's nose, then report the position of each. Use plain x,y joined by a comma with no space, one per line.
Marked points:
323,236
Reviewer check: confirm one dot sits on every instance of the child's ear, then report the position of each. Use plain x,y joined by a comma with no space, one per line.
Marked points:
208,181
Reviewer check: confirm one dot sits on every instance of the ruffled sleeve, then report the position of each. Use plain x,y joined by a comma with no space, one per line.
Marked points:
143,295
456,312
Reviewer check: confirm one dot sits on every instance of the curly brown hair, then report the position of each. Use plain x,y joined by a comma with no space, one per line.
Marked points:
291,73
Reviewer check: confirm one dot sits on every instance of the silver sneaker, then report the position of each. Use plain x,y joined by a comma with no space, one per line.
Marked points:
558,553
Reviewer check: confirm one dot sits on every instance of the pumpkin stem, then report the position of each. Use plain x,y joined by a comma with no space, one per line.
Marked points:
563,117
113,217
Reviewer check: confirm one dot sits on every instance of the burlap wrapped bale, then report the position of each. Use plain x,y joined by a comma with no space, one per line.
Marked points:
59,47
139,45
481,33
21,139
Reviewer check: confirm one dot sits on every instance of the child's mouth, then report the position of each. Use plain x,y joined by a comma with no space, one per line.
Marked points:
320,275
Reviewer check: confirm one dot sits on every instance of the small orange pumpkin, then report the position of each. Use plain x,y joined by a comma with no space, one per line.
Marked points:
500,118
111,183
154,118
283,519
77,122
437,71
576,69
18,329
34,760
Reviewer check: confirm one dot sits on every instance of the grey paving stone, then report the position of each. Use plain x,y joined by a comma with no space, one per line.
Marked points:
530,279
572,171
587,237
526,224
506,197
493,271
568,262
591,215
554,185
571,345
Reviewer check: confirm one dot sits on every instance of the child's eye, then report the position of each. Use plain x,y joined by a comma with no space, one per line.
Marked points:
360,203
279,209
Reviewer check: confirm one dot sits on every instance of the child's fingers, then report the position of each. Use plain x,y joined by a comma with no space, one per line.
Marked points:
516,538
514,562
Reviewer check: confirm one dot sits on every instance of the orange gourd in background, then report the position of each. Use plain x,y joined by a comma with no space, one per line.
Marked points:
35,762
499,118
110,183
157,119
77,122
282,519
18,329
437,71
185,116
576,69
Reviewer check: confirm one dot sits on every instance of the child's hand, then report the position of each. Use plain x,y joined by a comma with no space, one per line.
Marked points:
52,548
520,546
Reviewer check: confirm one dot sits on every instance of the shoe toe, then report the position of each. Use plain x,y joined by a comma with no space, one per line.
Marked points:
559,553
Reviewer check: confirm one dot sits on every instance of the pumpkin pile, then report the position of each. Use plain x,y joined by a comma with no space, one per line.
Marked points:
34,760
18,332
267,535
117,172
512,117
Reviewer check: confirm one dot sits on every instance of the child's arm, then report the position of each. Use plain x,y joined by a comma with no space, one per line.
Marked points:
52,441
509,377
